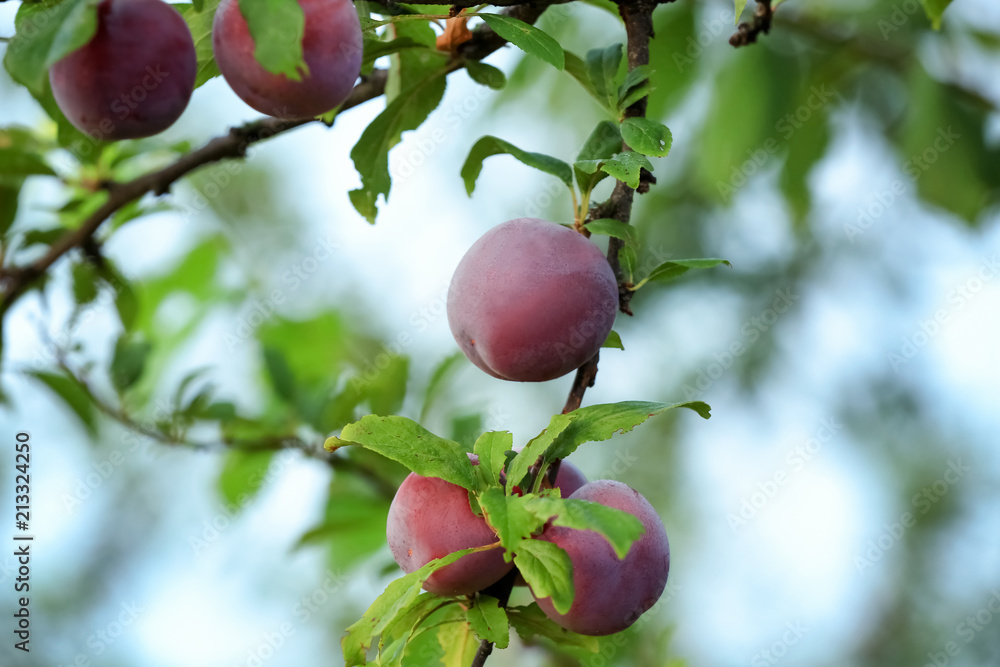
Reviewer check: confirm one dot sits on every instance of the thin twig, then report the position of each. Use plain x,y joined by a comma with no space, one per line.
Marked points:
270,443
586,375
501,591
16,280
747,33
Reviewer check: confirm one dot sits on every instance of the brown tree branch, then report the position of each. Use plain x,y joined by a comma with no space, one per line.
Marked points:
638,18
747,33
14,281
501,591
586,375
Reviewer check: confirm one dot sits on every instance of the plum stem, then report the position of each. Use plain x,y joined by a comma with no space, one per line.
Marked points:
501,591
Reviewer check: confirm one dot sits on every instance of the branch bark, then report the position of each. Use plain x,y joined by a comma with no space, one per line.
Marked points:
638,18
14,281
747,33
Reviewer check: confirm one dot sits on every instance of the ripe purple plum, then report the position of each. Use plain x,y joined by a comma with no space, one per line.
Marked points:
134,78
611,594
331,47
430,518
531,301
569,479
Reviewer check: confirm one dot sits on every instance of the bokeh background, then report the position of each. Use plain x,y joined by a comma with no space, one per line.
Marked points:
842,505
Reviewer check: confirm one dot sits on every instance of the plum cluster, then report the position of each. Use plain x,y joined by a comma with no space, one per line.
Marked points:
430,518
136,75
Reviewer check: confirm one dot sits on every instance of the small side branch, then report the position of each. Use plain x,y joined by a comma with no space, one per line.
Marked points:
747,33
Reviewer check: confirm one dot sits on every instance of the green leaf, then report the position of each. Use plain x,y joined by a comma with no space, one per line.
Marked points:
407,442
371,154
935,9
740,6
488,146
602,68
615,228
129,362
678,267
243,474
459,644
627,257
548,571
280,374
537,447
277,28
387,390
489,621
84,283
508,516
600,422
199,20
8,206
531,622
46,34
74,395
486,75
411,65
17,164
636,81
492,448
624,166
601,145
416,624
382,387
527,37
126,301
438,379
353,524
614,341
397,599
577,69
647,136
619,528
634,95
377,48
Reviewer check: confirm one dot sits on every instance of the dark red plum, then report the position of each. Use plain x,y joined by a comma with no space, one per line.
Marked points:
430,518
611,594
569,479
331,46
135,76
531,301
